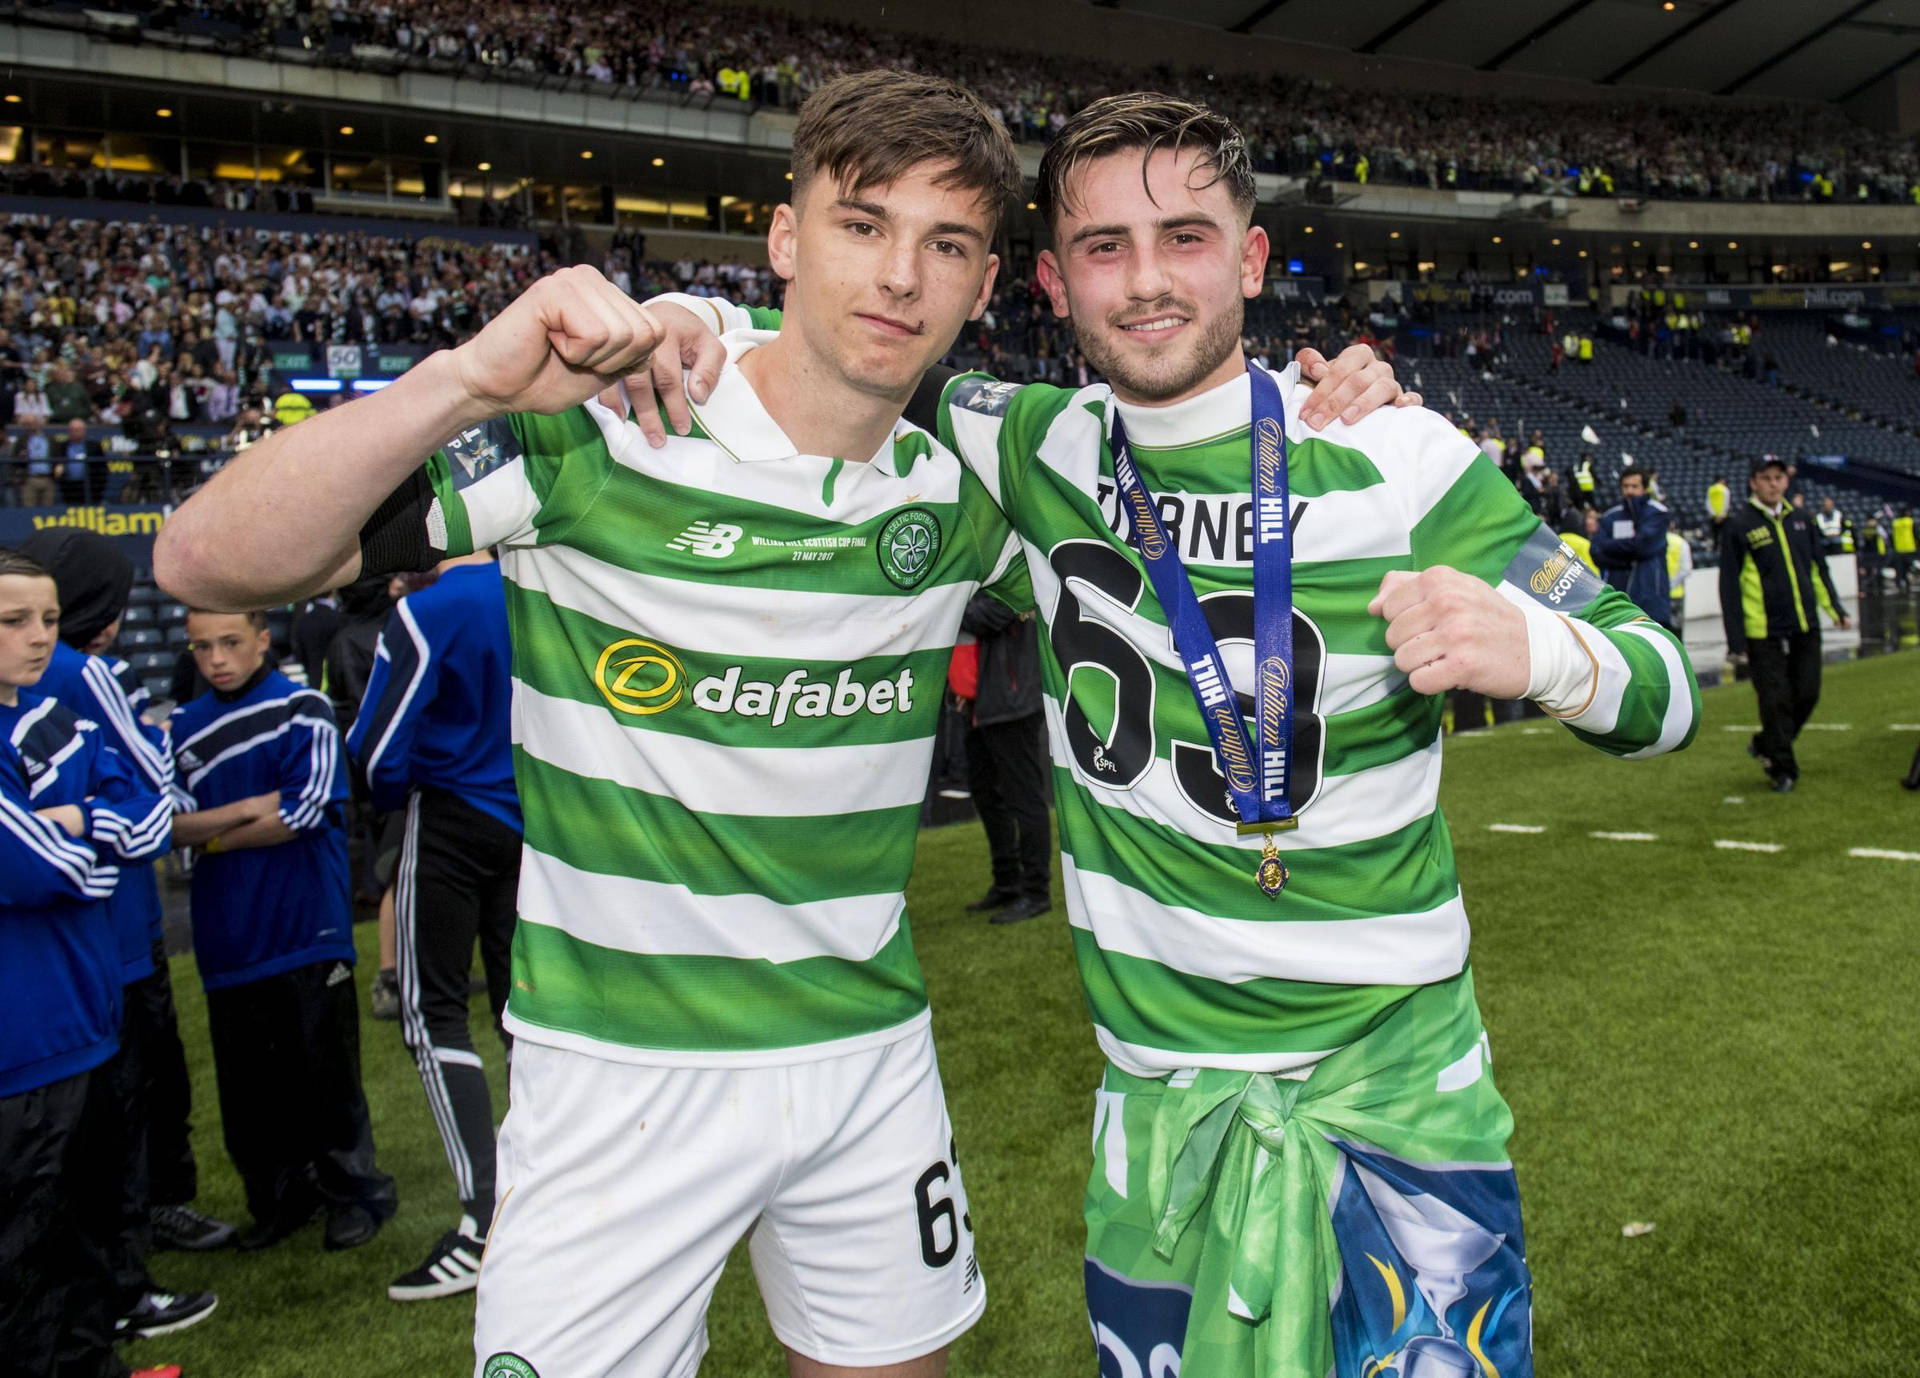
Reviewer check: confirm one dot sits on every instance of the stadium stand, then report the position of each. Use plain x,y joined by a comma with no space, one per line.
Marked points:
176,318
161,309
1658,148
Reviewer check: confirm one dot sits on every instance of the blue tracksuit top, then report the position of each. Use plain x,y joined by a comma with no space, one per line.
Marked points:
438,704
60,972
1630,547
259,911
108,694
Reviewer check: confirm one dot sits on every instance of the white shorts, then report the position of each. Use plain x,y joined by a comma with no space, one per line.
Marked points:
623,1188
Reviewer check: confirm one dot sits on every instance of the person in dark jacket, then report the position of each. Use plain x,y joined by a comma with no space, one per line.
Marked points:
363,608
374,838
1630,548
311,634
1006,762
1773,583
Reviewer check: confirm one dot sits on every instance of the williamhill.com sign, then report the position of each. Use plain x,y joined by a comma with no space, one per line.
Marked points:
133,527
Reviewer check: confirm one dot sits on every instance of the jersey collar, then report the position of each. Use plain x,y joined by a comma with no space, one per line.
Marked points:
1218,411
734,419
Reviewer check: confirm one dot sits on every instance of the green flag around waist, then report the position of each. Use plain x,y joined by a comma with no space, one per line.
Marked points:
1265,1152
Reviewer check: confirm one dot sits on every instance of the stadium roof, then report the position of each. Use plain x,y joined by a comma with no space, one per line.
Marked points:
1796,49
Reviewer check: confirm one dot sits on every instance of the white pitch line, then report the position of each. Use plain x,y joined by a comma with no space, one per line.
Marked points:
1535,731
1626,837
1527,828
1903,727
1827,727
1882,854
1734,799
1741,727
1729,845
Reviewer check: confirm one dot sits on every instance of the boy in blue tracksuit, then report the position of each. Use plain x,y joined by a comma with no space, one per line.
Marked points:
261,789
148,1072
433,736
72,813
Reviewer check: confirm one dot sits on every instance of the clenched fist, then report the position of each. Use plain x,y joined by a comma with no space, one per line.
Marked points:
1448,630
565,338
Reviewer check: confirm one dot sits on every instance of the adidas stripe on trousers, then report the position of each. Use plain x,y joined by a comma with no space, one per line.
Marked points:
456,886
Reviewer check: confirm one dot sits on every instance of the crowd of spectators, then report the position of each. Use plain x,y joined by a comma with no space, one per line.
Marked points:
1656,147
147,326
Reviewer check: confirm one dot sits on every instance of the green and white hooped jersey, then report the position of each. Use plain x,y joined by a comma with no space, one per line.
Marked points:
1185,962
728,662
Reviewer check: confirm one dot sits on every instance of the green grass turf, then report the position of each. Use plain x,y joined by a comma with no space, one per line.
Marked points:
1722,1043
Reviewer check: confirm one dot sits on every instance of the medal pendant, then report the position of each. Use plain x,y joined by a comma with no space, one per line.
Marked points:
1271,874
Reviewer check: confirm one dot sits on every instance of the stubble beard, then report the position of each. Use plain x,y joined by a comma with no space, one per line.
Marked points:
1167,378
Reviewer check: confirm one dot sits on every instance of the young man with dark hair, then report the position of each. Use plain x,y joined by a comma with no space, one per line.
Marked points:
72,813
728,658
261,790
1774,584
1300,1156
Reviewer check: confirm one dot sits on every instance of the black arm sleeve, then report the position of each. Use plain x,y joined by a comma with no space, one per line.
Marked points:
924,410
394,540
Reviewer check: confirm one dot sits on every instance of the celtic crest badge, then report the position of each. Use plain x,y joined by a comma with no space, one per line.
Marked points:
908,545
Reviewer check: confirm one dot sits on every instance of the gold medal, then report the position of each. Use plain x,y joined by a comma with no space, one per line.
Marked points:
1271,874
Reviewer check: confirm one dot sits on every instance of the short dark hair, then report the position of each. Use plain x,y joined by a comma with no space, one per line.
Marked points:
868,128
255,618
12,562
1633,471
1148,121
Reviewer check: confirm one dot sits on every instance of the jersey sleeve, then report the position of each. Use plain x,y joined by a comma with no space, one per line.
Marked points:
312,778
997,428
115,708
127,816
39,863
514,480
1466,515
405,670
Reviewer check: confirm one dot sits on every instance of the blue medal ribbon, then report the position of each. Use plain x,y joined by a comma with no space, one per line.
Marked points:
1258,769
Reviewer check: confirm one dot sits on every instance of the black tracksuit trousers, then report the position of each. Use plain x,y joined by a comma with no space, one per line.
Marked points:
1786,679
457,885
60,1162
286,1051
1006,773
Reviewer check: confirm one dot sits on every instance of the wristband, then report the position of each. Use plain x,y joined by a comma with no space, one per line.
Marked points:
213,846
1563,674
720,312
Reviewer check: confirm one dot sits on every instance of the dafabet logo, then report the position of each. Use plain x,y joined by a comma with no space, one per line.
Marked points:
639,677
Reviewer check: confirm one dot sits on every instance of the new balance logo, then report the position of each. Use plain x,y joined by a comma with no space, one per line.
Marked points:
715,540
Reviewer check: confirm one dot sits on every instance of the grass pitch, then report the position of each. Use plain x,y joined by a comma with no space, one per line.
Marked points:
1718,1041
